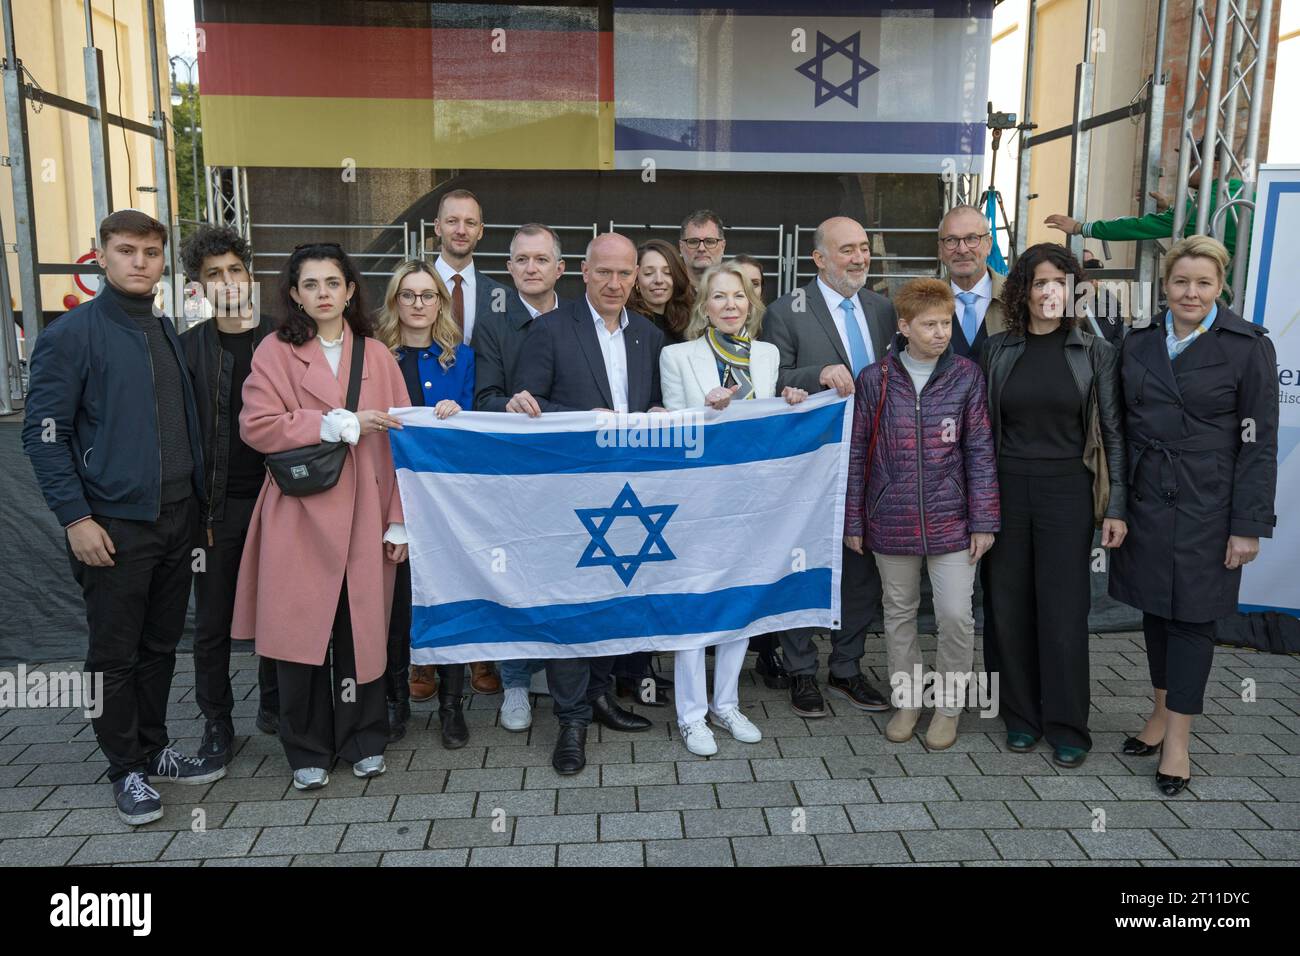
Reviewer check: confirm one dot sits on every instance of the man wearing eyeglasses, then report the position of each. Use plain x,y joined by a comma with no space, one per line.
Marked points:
701,241
965,241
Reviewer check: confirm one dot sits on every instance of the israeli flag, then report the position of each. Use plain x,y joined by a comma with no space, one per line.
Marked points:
585,534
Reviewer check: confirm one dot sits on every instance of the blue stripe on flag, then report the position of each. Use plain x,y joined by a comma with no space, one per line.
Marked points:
948,9
647,615
457,451
799,136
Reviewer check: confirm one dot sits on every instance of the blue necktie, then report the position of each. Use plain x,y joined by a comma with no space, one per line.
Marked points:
858,352
970,319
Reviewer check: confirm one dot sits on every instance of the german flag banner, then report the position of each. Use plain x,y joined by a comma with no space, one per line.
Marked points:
406,85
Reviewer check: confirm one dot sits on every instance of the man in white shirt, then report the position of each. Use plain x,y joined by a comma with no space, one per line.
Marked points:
965,241
459,226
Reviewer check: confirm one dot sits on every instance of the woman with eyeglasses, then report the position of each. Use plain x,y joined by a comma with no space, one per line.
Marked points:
316,578
416,323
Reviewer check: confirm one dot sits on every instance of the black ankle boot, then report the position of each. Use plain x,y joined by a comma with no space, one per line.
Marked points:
451,688
399,712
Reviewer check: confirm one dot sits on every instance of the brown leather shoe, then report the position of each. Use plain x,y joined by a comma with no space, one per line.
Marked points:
424,682
483,678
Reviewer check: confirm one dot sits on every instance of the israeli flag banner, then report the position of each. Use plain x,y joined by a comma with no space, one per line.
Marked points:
588,534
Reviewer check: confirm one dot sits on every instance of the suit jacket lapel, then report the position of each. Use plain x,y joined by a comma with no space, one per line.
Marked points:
586,332
704,366
880,335
638,388
817,303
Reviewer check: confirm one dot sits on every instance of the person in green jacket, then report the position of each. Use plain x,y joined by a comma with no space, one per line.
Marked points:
1156,225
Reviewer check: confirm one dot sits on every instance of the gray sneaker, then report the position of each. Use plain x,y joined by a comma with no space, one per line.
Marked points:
369,766
516,711
137,802
174,767
310,778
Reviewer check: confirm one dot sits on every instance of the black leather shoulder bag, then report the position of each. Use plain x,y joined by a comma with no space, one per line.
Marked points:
315,468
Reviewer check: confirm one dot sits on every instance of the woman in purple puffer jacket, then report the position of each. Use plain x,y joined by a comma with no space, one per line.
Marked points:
923,486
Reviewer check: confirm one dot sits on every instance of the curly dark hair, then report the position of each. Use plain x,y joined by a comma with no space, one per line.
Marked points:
296,326
1015,294
213,241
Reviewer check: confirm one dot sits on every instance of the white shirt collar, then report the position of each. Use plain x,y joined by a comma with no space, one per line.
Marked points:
446,271
622,317
833,298
983,289
555,304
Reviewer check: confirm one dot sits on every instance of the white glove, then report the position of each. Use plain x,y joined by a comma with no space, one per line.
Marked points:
340,425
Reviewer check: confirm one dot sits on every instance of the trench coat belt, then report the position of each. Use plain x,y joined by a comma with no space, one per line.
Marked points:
1139,446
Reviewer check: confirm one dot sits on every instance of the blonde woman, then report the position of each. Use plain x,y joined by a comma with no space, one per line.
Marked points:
720,361
416,323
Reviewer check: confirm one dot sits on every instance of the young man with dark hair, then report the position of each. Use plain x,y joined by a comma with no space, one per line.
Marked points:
219,356
110,396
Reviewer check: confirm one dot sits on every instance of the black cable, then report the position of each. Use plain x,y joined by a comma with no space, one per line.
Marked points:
126,143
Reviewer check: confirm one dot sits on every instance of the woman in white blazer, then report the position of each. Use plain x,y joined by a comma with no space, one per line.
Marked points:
721,361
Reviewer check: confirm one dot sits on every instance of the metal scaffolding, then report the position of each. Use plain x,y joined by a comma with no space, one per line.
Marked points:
20,90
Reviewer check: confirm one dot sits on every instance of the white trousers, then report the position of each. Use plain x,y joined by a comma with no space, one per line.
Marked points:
690,680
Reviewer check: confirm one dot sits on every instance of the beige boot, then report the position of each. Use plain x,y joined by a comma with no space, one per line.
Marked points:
901,725
942,732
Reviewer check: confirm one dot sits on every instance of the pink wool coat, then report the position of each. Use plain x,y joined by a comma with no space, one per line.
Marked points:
298,549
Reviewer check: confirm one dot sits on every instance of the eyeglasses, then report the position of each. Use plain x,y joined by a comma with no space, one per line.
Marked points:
709,243
951,242
407,297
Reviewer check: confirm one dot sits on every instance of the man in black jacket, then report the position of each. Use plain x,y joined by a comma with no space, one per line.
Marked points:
110,396
219,355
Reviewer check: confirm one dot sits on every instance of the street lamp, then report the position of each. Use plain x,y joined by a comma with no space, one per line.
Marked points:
177,99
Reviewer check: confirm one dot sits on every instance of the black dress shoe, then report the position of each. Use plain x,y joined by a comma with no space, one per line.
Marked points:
1136,747
1170,785
768,665
859,693
399,712
631,689
454,732
805,699
570,754
268,721
218,741
606,711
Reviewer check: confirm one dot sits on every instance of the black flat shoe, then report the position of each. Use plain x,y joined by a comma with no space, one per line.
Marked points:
399,712
1170,785
268,721
632,690
605,711
769,666
1135,747
570,754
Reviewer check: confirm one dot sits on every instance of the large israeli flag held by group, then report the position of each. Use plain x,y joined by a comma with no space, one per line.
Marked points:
581,534
863,86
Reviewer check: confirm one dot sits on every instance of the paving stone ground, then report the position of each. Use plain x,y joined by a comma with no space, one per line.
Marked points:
813,792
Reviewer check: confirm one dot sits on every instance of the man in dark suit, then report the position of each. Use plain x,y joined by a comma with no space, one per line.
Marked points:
827,332
591,354
459,227
536,264
965,241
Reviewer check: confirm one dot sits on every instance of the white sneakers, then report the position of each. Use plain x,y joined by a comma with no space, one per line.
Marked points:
369,766
310,778
516,711
737,724
698,739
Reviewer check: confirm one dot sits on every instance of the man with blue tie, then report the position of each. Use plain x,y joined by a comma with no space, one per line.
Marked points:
827,332
965,241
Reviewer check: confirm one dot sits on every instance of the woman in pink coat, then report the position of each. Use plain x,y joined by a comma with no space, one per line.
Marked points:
316,580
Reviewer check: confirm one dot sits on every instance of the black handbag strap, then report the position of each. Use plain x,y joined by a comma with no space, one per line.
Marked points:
354,376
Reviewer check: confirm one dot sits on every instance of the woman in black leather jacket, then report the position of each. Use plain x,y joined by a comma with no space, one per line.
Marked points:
1048,378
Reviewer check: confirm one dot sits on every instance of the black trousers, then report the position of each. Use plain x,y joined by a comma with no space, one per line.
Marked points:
214,606
324,712
135,614
1041,594
859,610
451,677
634,666
1179,656
575,683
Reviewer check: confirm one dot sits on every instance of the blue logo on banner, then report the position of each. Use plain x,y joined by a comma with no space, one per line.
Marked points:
826,48
598,522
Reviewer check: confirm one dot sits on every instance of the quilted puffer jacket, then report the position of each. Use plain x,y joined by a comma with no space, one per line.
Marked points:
933,480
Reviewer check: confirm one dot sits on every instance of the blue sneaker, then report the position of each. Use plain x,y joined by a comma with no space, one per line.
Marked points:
137,802
173,766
